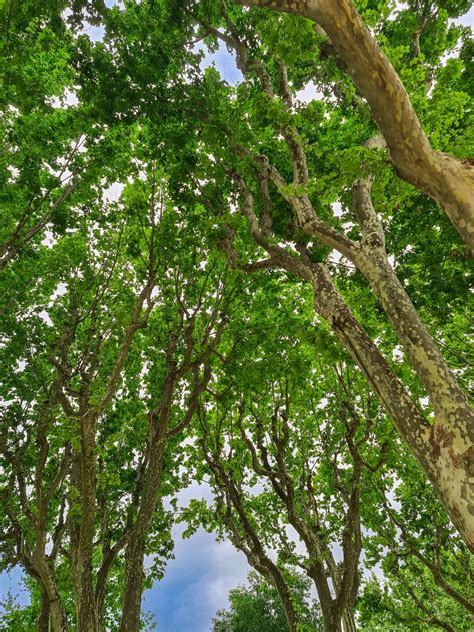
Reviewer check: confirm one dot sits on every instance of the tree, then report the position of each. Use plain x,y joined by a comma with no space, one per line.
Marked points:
97,502
257,607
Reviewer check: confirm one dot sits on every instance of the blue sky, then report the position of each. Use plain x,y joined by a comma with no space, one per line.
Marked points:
198,579
196,584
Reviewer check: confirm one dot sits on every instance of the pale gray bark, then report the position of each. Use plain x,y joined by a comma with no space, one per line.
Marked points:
449,446
450,442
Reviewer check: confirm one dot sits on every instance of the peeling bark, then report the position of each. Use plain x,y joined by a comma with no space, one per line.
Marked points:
451,439
443,450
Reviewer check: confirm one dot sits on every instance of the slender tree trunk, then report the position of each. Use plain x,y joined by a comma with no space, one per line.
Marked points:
348,621
437,447
101,589
331,306
86,605
317,573
51,604
135,550
134,574
42,622
448,400
447,180
277,580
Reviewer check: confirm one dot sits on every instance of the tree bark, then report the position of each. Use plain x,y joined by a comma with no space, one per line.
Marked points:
42,622
451,440
135,550
348,621
440,449
447,180
51,605
86,606
437,447
449,446
453,431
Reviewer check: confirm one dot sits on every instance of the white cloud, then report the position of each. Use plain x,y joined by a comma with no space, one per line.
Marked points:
113,192
309,93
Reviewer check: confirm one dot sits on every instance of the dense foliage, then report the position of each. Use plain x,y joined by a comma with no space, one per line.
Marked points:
260,286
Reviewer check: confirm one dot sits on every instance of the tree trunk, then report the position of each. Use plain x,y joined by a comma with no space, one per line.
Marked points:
135,550
285,597
134,574
51,605
332,623
348,621
42,622
437,448
84,581
447,398
451,441
447,180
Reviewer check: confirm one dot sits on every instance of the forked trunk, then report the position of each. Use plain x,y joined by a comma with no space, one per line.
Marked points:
450,443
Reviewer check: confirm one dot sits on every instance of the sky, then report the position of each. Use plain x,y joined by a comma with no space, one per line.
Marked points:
197,581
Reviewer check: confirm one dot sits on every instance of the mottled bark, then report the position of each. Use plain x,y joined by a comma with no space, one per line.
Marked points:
447,180
450,443
441,450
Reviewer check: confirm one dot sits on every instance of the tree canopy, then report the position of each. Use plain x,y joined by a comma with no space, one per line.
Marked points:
260,286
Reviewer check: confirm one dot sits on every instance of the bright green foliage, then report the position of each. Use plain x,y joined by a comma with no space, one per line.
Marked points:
256,607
